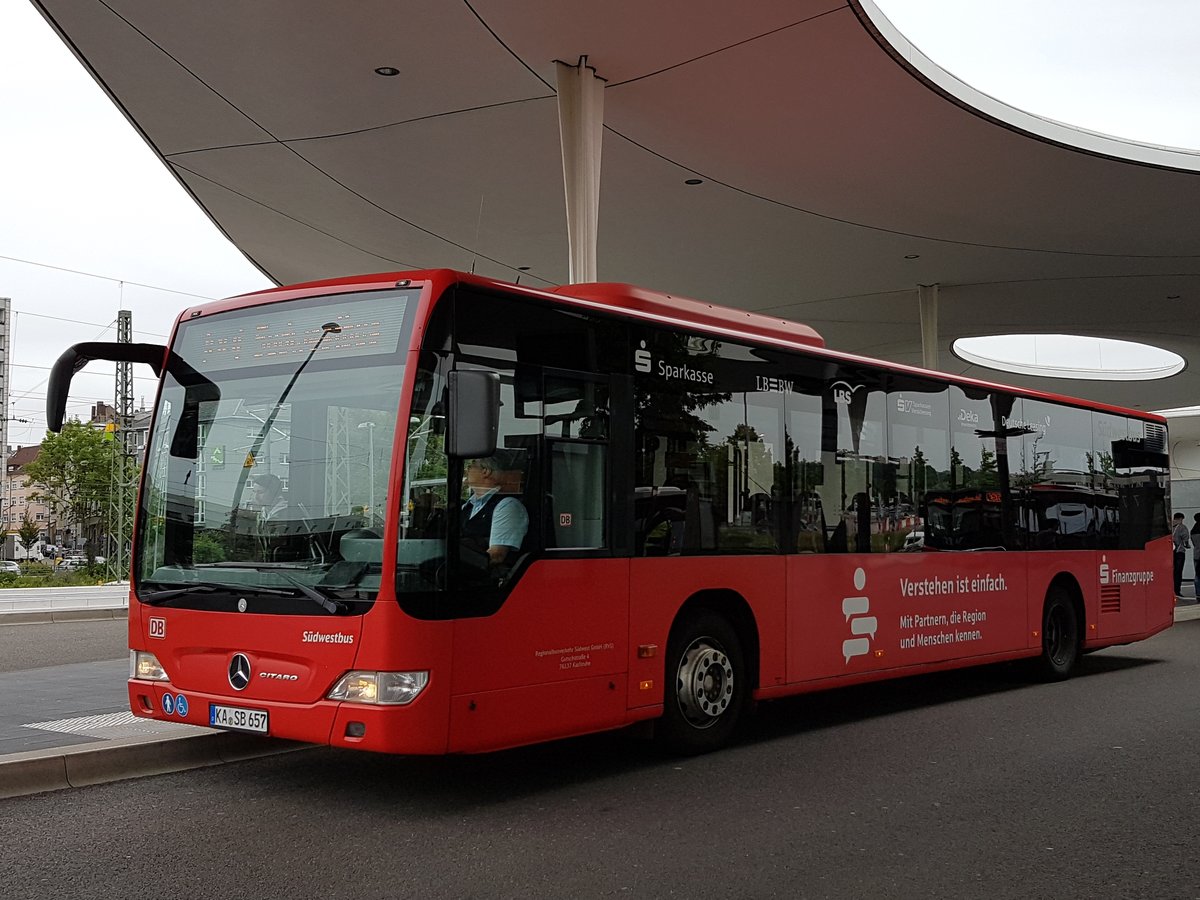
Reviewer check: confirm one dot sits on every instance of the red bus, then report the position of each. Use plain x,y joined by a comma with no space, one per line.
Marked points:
426,512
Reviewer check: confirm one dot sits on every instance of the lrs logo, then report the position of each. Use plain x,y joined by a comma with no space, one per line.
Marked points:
855,609
843,392
158,627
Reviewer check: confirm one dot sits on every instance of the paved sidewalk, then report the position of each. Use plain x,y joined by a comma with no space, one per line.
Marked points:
70,726
80,703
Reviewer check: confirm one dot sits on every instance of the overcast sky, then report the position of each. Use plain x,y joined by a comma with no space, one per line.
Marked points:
112,209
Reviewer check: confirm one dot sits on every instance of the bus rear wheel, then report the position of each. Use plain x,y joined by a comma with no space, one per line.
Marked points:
707,685
1061,642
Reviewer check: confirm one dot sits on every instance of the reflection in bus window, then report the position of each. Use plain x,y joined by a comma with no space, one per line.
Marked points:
859,496
919,446
805,420
709,468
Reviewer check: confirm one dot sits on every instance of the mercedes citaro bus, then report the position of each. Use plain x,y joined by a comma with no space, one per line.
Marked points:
687,509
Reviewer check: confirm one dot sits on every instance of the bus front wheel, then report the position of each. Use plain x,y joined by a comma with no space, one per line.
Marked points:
1060,636
706,684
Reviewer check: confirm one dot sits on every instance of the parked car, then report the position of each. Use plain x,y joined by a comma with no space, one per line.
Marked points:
72,562
10,567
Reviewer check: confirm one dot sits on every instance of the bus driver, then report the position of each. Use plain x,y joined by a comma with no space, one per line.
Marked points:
492,523
268,496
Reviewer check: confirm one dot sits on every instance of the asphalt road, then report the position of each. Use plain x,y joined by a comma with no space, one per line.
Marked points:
970,784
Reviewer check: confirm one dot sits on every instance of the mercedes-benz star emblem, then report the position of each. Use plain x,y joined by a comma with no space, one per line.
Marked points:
239,672
242,604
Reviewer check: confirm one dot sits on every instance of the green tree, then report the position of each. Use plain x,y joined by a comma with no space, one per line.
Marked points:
989,475
28,533
73,475
918,474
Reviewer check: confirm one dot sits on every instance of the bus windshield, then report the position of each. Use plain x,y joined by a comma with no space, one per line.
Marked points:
266,473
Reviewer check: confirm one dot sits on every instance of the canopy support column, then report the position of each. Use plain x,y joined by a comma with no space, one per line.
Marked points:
927,297
580,128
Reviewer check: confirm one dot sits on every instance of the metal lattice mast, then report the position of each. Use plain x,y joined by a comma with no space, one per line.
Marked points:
124,469
7,498
337,488
124,392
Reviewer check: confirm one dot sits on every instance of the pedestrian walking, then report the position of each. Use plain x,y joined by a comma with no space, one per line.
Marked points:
1180,541
1196,554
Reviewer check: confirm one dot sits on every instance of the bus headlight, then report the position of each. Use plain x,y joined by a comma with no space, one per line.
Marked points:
384,688
145,666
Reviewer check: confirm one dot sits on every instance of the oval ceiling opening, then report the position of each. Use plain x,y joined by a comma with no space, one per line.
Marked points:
1069,356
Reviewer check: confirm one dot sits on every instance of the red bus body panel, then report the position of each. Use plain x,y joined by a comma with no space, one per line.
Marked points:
852,614
562,658
552,661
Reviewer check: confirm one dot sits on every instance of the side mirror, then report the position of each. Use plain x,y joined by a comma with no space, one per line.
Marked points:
474,414
74,358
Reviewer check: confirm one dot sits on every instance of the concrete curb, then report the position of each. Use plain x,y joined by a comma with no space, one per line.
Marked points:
53,769
47,616
1186,613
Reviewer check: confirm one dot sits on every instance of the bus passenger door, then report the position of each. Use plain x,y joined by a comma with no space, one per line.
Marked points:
551,660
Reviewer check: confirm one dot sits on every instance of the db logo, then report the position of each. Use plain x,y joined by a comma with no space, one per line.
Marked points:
158,627
564,519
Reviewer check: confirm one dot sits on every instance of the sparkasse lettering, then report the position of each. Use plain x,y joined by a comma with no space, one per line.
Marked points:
684,373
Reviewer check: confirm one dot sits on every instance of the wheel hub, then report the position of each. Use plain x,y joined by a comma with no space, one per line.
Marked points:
704,683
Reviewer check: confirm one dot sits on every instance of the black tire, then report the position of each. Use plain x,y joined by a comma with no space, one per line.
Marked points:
1061,636
706,684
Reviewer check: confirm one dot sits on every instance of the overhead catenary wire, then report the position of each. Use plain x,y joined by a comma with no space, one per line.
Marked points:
78,322
152,287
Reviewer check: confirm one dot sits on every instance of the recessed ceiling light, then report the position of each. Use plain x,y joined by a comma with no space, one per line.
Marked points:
694,181
912,255
387,71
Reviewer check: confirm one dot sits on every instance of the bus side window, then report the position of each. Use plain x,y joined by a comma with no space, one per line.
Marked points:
575,495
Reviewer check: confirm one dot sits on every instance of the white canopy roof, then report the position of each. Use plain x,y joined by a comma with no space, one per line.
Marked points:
840,167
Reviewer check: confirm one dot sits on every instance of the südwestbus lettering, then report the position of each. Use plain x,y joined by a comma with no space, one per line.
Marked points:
319,637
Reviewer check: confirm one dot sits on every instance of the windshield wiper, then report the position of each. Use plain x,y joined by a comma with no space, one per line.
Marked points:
155,598
327,329
331,606
262,566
